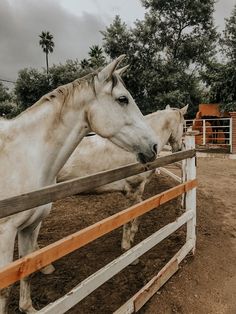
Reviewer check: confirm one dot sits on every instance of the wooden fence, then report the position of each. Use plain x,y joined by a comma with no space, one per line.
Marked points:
36,260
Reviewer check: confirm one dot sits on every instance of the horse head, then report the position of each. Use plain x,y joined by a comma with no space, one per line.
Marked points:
177,124
113,114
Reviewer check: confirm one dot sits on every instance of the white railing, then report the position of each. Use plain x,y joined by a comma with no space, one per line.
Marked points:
213,133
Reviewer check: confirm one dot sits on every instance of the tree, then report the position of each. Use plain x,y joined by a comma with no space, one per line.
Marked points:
6,104
31,84
47,44
65,73
229,39
220,78
84,63
96,57
117,38
184,30
4,94
165,51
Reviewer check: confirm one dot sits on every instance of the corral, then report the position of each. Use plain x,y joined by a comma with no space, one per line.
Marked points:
35,261
205,284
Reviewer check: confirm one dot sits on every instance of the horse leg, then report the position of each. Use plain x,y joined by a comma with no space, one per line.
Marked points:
131,228
46,270
7,240
27,242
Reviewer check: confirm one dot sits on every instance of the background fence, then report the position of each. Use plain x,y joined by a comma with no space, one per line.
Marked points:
213,133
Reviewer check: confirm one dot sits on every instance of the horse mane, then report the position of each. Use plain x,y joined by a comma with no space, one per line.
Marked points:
65,91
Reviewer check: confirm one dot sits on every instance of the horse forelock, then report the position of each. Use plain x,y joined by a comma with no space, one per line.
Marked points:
115,79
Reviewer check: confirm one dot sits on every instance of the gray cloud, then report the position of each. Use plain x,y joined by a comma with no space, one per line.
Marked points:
223,9
22,21
74,24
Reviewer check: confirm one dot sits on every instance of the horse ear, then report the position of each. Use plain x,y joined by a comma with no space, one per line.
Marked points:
167,106
107,72
122,70
184,110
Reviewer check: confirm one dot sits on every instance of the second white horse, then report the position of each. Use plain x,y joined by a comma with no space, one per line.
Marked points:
96,154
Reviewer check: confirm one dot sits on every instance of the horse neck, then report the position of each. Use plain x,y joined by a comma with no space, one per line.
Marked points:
52,129
160,122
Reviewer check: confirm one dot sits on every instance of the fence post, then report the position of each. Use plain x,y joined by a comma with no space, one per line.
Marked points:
231,134
204,132
190,199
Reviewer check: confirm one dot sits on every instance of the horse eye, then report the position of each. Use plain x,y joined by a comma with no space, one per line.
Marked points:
123,100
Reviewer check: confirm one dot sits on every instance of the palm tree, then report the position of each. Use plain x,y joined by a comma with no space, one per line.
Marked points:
84,64
47,44
96,57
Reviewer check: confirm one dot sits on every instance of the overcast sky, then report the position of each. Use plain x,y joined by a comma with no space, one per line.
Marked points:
75,25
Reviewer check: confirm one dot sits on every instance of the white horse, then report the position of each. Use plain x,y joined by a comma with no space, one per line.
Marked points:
35,145
96,154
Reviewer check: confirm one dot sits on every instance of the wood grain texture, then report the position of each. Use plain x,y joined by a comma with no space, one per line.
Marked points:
58,191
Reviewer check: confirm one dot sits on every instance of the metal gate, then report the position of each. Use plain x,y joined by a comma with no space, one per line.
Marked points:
213,133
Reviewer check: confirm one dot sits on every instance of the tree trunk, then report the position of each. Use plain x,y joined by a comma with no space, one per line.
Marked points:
47,65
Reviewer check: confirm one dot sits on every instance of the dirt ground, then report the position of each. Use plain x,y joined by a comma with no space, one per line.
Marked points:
204,284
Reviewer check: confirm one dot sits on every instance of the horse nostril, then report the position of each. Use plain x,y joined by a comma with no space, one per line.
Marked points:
141,158
154,148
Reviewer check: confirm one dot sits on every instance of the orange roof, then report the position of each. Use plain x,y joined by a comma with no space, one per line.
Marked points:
210,110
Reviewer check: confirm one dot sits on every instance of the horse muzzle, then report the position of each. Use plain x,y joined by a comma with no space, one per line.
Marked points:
143,158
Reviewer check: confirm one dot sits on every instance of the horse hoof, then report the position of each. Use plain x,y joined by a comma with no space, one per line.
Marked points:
134,263
29,310
47,270
125,246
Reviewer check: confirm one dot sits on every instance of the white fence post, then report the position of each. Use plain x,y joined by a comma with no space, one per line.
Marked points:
231,134
190,199
204,132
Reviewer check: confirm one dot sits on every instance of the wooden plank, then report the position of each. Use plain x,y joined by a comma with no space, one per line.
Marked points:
101,276
171,174
155,284
178,164
144,294
58,191
36,260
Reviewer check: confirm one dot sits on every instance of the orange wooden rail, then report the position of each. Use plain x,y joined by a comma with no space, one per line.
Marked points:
36,260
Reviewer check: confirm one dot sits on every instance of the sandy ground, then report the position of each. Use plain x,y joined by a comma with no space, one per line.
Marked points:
207,282
204,284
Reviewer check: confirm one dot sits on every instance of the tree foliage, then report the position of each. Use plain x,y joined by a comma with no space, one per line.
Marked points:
4,93
6,102
95,60
221,77
165,51
229,37
30,86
